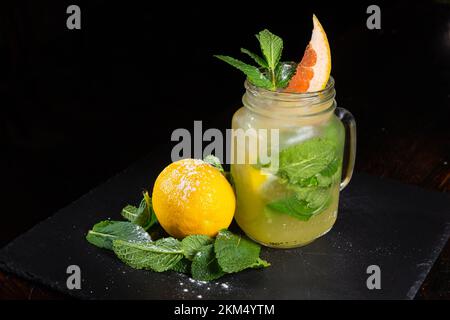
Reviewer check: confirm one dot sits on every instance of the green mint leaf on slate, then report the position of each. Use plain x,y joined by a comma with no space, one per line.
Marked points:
283,73
182,266
304,160
214,161
140,216
192,244
253,74
129,212
153,219
260,263
260,61
159,256
143,216
235,253
104,233
205,266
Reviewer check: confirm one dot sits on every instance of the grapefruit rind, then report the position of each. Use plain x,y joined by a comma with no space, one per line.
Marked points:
314,69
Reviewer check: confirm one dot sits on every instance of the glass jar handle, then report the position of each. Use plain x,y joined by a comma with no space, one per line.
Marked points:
350,140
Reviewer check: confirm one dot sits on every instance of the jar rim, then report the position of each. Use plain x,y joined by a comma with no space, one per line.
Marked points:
292,96
288,104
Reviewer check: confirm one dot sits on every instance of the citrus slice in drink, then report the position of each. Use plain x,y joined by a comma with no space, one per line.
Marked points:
313,71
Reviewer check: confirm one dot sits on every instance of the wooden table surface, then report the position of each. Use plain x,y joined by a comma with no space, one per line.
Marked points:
395,81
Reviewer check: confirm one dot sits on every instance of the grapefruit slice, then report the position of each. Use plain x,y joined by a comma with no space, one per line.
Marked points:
313,71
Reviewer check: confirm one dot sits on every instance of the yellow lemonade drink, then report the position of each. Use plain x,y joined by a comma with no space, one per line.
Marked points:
296,201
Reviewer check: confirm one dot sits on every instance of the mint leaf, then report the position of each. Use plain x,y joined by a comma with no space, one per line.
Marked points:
143,216
331,168
315,197
271,46
253,74
205,266
283,73
182,266
153,219
310,169
324,178
260,263
214,161
158,256
140,216
129,212
105,232
235,253
299,162
192,244
329,175
293,206
260,61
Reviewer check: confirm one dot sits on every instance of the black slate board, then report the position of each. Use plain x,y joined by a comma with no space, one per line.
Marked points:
400,228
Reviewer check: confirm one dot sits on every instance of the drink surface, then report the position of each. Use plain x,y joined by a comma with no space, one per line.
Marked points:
295,202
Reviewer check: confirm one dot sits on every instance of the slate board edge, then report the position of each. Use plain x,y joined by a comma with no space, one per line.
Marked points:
87,194
10,268
437,251
412,292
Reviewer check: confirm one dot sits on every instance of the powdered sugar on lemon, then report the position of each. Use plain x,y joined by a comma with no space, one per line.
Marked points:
192,197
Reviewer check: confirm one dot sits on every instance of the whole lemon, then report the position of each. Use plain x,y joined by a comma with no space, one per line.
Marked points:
190,197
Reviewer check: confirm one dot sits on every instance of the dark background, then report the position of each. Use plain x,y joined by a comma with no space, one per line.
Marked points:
78,106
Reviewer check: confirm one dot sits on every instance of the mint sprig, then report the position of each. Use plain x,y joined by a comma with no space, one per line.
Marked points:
300,162
294,207
260,61
205,266
158,256
235,253
269,74
309,170
271,47
182,266
143,215
105,232
284,72
203,257
255,76
193,244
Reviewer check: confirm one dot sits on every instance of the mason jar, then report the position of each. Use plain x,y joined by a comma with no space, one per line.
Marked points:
288,179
